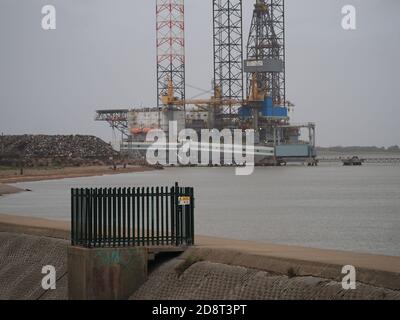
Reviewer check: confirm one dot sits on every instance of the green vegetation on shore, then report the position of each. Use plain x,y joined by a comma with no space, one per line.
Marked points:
3,168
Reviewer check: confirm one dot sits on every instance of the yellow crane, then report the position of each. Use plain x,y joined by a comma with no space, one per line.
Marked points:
216,101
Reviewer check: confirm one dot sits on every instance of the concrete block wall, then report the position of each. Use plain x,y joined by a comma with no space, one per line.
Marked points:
105,273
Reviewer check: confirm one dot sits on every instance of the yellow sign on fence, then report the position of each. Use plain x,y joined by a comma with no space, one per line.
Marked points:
184,201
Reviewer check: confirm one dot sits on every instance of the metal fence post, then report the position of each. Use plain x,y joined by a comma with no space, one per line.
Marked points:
73,213
177,214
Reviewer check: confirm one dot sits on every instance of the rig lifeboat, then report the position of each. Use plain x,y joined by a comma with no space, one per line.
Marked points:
146,130
136,130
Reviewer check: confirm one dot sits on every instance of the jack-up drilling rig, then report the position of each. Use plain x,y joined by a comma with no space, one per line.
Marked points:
260,105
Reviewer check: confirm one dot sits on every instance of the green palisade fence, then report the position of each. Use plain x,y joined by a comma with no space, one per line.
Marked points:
121,217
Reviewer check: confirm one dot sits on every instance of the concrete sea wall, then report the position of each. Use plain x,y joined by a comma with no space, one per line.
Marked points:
21,260
216,281
214,269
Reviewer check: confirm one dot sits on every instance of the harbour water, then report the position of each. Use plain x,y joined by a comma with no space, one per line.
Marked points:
330,206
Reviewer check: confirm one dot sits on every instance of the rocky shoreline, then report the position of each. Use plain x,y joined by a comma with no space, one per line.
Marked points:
55,150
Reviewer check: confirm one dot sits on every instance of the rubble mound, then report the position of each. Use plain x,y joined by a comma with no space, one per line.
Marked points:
56,149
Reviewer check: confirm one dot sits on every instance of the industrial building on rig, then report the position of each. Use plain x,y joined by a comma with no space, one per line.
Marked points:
249,84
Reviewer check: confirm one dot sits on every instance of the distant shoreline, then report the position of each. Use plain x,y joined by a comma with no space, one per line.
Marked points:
362,150
38,174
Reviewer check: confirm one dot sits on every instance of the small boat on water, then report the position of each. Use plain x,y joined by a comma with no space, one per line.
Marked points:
354,161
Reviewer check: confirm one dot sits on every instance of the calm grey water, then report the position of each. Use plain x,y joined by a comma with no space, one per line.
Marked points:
332,207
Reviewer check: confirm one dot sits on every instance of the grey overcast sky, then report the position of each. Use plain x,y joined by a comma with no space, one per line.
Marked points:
102,55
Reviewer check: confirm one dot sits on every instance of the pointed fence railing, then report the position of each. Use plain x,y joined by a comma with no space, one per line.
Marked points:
140,216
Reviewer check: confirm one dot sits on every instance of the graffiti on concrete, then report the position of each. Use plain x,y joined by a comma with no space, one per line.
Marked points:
124,258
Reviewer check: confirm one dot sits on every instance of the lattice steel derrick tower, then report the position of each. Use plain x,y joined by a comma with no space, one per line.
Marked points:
267,41
170,47
228,49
